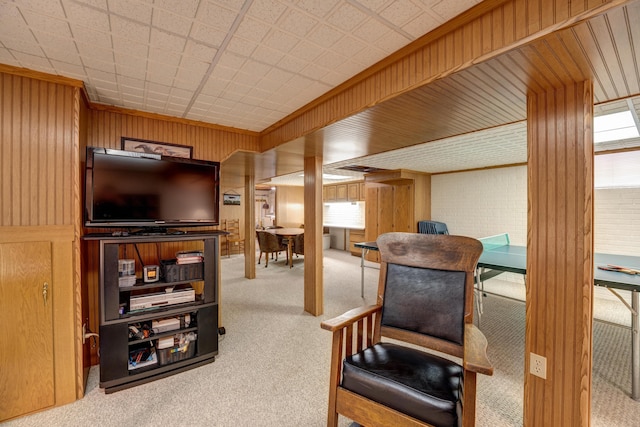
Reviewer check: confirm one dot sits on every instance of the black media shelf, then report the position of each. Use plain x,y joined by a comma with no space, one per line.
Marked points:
114,327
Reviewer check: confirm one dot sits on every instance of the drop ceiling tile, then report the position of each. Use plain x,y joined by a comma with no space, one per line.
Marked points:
248,79
60,45
163,40
346,17
171,22
306,51
391,42
160,76
28,46
91,38
297,22
186,84
241,47
200,51
35,62
281,40
93,53
207,34
348,46
6,57
127,29
268,11
89,17
252,29
139,11
421,25
131,84
67,56
47,24
214,87
318,8
324,35
292,64
331,60
267,55
134,71
129,51
181,94
370,31
101,76
216,16
187,8
314,72
51,8
400,12
163,58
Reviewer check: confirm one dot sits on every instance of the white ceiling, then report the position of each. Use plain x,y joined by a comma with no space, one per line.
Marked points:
239,63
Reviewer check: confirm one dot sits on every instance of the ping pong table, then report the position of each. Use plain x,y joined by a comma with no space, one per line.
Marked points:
499,256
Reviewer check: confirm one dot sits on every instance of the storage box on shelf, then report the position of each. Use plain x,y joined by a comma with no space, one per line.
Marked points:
138,322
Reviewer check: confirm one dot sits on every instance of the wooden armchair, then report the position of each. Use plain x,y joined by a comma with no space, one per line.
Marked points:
270,244
425,299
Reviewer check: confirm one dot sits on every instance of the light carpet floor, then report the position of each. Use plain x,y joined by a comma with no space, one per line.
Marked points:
273,362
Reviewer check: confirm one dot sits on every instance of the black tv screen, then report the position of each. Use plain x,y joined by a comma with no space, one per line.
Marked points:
131,189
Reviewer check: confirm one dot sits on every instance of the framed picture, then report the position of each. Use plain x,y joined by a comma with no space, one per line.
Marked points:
230,199
152,147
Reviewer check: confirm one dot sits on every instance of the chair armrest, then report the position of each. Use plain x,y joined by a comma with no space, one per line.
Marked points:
475,351
349,317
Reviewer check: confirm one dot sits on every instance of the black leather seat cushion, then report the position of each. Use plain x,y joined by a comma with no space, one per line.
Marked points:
413,382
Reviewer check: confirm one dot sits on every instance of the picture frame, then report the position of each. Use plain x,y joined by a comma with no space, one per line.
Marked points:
231,199
154,147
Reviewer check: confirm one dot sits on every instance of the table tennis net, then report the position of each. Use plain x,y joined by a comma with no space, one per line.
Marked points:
493,242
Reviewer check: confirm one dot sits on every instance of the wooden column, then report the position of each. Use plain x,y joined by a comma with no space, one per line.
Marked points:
249,227
313,279
560,255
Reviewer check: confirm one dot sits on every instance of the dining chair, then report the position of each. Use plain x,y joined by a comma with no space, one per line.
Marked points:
269,244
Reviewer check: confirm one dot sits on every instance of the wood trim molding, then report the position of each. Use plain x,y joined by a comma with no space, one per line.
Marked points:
44,233
37,75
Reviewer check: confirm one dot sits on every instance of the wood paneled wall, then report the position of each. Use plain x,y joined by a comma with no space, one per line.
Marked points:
37,124
209,142
483,32
559,255
39,197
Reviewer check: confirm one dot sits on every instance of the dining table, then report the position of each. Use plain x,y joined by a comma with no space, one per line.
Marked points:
287,234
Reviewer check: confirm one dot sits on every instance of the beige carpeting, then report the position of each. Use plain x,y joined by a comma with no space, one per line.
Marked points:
273,362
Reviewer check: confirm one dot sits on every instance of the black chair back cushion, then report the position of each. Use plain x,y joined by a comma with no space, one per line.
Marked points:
426,301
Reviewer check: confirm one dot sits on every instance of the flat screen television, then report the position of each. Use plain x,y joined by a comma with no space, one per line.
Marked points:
149,191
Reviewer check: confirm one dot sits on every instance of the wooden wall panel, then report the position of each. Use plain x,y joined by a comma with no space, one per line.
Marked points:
560,255
36,152
485,31
106,127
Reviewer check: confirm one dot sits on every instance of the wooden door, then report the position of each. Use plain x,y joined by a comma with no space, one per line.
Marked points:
26,336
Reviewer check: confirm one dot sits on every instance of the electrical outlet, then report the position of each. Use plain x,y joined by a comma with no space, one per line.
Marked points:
538,365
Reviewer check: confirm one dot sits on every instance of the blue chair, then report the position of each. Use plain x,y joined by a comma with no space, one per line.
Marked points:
432,227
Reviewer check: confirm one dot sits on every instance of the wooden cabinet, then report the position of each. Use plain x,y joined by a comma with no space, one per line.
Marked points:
355,236
26,316
348,192
395,201
185,298
353,191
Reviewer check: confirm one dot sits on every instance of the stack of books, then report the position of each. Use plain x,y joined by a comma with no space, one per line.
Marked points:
189,257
